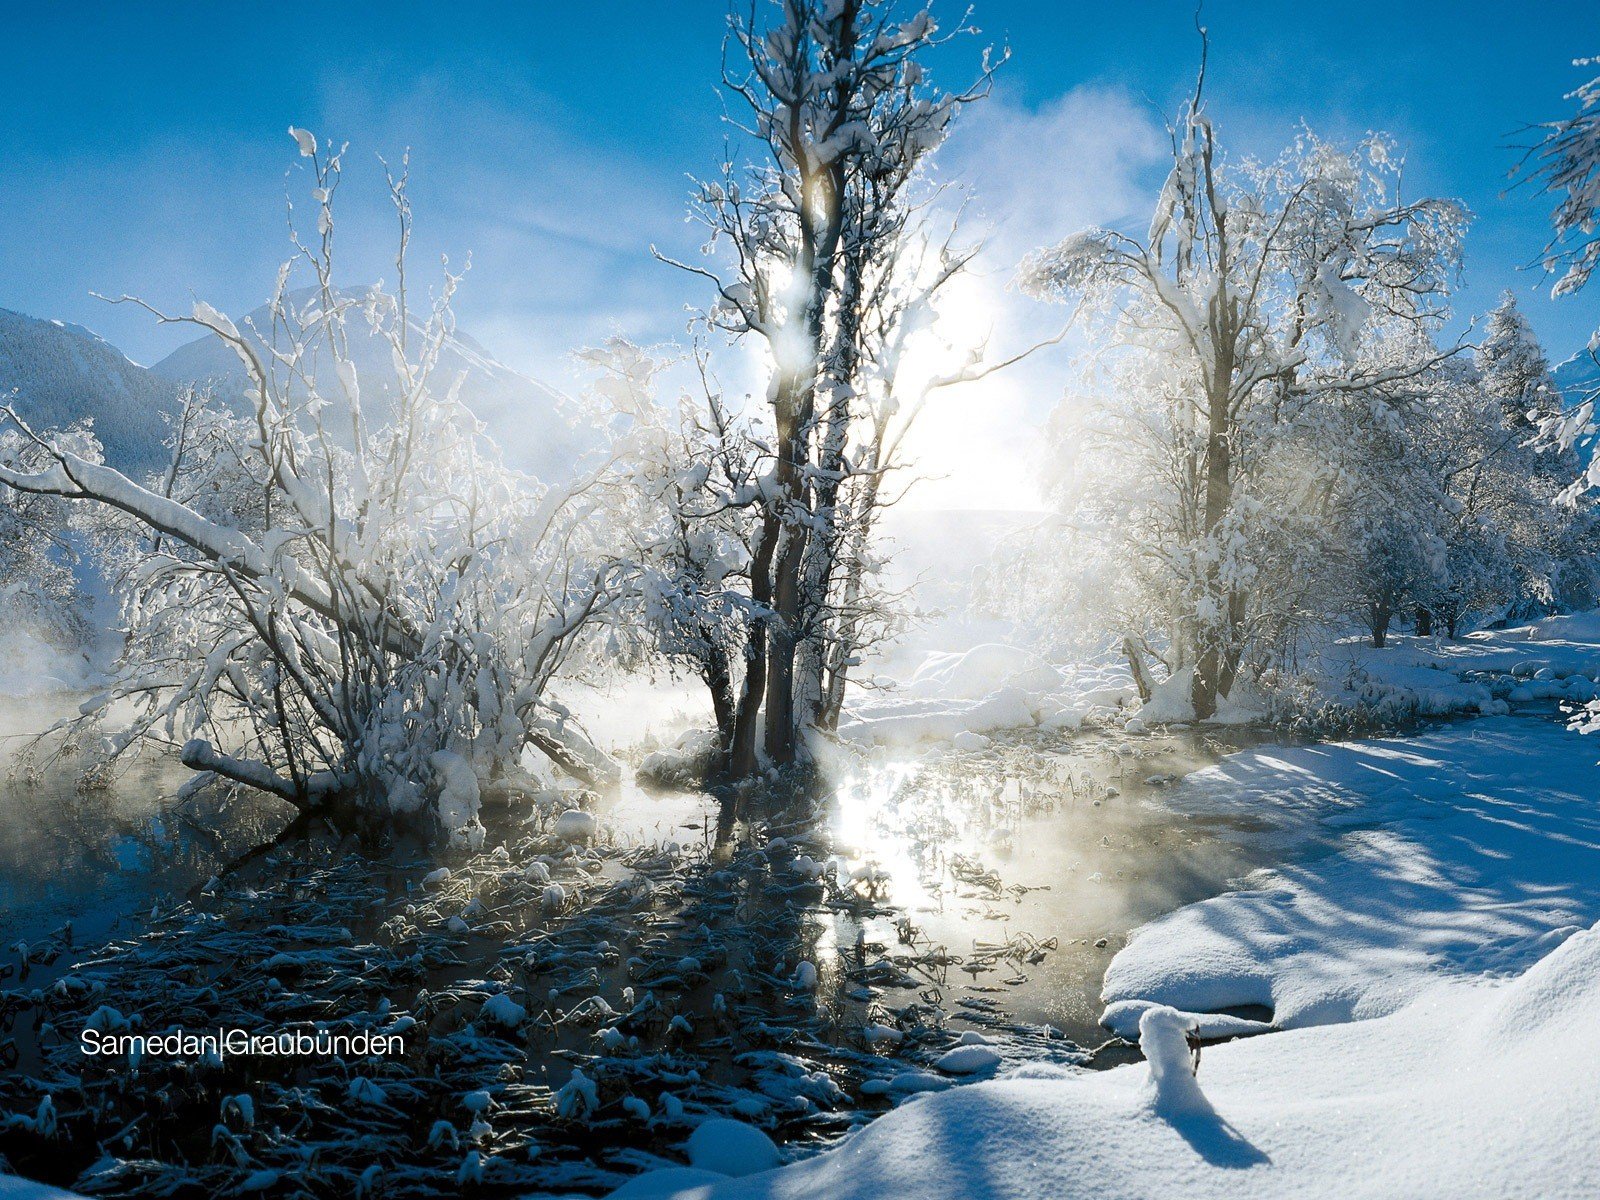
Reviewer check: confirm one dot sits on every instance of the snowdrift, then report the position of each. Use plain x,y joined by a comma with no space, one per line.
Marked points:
1468,850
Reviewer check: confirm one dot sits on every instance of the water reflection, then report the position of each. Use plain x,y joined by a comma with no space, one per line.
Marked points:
101,858
1019,872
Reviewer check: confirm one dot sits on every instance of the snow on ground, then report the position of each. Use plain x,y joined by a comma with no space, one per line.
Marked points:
13,1187
1474,1089
30,667
986,689
1555,658
993,687
1468,850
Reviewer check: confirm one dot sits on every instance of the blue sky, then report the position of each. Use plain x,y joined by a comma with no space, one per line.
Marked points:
144,147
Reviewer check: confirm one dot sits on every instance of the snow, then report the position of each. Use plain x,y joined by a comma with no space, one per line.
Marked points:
980,671
30,667
1463,851
730,1148
1171,701
63,373
1427,957
575,825
458,798
1164,1041
968,1060
13,1187
669,1181
1431,1100
964,697
501,1010
1429,674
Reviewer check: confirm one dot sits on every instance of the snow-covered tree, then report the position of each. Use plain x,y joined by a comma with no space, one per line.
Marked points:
39,594
1556,561
1381,540
806,254
1253,288
686,511
1566,164
348,609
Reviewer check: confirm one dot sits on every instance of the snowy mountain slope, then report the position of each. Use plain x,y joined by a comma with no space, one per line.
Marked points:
1578,377
525,416
63,373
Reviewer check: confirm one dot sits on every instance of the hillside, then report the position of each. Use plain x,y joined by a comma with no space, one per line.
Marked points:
1578,377
64,373
524,415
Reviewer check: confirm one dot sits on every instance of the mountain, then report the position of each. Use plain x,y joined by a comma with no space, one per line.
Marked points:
64,373
1578,377
523,415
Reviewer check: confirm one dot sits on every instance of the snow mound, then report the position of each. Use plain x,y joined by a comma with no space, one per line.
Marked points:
968,1060
1164,1042
907,722
980,671
730,1148
685,763
988,689
1171,701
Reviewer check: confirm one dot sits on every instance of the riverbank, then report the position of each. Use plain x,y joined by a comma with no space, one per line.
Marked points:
1428,977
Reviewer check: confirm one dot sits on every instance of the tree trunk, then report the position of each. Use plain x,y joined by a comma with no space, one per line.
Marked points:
1141,674
1217,644
1378,617
1424,621
724,708
780,739
742,758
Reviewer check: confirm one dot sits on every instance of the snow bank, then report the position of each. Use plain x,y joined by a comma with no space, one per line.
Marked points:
905,723
981,670
30,667
14,1187
1472,1090
730,1148
685,763
1171,701
1558,657
985,690
1468,850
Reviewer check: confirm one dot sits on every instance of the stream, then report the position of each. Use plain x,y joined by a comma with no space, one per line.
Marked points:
802,965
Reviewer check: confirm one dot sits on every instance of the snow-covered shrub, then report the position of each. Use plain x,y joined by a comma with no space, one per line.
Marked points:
343,603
